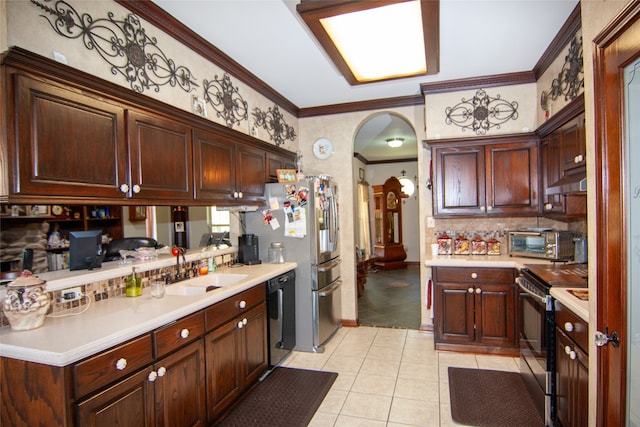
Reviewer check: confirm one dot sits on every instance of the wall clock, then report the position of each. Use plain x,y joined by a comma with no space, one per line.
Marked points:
57,210
322,148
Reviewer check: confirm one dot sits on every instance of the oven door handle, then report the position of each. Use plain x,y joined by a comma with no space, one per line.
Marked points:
543,299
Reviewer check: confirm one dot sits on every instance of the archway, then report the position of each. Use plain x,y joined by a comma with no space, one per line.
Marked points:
374,162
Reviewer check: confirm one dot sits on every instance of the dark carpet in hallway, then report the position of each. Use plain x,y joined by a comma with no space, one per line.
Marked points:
391,298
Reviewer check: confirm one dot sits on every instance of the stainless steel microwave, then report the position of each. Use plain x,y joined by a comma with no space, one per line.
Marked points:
542,243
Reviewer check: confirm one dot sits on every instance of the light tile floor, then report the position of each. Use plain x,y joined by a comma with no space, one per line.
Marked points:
388,377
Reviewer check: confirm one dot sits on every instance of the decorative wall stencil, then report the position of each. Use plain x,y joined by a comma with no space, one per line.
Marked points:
226,100
273,122
122,44
570,79
481,113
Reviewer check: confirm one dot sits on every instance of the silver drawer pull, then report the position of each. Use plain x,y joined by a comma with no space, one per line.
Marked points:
474,275
152,376
162,371
184,333
242,304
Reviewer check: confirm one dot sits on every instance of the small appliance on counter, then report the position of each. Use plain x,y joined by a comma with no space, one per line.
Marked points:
248,253
542,243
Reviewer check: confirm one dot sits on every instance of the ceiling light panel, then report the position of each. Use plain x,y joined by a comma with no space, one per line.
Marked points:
380,43
384,47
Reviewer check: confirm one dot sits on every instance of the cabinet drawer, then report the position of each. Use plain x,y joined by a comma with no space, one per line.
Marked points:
177,334
573,326
112,365
474,275
227,309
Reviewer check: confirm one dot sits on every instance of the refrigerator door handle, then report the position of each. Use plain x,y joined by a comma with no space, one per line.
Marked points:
329,289
329,266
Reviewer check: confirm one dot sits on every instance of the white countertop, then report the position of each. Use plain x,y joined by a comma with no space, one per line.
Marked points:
498,261
64,340
573,303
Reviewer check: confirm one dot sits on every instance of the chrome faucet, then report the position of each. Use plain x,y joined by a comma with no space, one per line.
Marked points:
179,276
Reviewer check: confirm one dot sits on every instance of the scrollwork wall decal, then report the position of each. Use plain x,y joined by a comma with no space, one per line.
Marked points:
570,79
273,122
481,113
226,100
123,44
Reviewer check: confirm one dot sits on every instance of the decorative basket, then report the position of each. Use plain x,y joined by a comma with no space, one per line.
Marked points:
26,303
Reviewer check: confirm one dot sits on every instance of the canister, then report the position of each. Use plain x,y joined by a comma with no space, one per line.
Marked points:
276,253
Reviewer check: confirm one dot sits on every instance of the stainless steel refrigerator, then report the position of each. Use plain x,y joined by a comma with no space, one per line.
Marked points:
303,216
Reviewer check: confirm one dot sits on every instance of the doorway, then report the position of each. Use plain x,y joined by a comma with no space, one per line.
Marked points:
389,298
617,91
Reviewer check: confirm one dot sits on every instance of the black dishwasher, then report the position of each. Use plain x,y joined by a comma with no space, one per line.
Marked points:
281,305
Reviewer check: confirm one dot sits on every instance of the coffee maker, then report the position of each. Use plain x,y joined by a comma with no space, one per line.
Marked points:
248,249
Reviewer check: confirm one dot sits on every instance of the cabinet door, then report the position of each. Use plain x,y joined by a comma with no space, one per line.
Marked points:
250,173
127,403
551,161
495,314
214,161
222,354
460,184
512,178
254,342
454,313
563,378
581,388
160,155
275,162
65,142
180,388
573,146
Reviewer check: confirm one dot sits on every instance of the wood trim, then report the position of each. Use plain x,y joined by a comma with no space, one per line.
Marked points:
480,140
155,15
347,323
562,39
568,112
615,47
351,107
495,80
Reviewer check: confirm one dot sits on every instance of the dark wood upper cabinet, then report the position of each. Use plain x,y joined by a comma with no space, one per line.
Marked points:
64,142
160,157
574,146
486,176
226,171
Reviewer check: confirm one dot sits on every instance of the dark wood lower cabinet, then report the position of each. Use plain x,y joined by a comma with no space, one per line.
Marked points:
127,403
236,356
475,310
192,378
572,369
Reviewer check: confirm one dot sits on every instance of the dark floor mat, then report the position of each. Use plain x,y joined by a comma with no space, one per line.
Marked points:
288,397
486,398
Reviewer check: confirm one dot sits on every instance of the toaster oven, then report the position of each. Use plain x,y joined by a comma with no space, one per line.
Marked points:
541,243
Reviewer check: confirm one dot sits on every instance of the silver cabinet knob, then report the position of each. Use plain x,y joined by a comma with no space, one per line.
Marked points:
244,321
240,324
548,206
136,188
489,208
240,195
474,275
568,326
470,290
242,304
573,355
124,188
152,376
567,349
478,291
162,371
184,333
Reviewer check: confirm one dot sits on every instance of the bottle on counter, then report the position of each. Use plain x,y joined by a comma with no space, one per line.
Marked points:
133,285
276,253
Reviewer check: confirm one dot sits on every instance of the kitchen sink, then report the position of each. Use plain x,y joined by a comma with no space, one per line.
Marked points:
203,284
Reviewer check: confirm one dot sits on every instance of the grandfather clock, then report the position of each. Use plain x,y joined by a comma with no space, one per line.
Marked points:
388,248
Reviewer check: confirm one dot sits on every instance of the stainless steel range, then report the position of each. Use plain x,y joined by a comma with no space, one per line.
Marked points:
537,328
